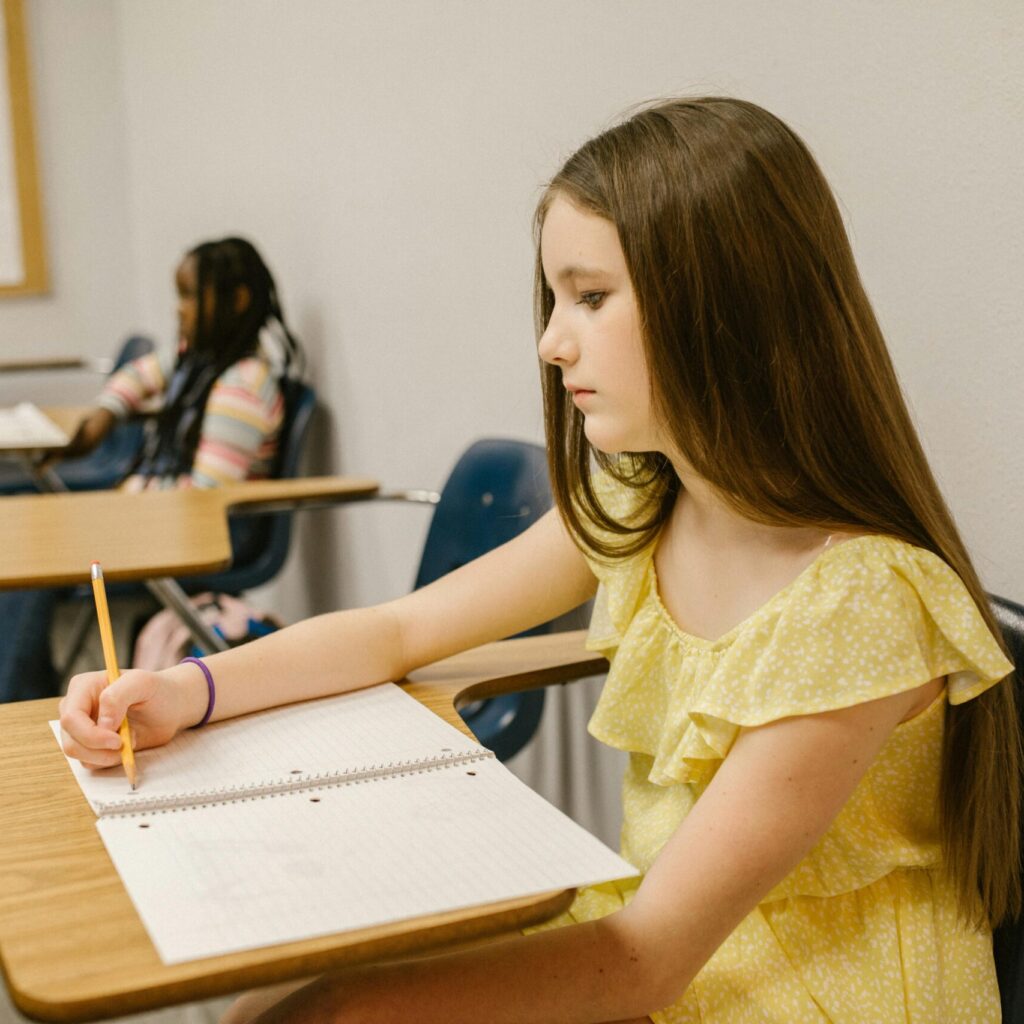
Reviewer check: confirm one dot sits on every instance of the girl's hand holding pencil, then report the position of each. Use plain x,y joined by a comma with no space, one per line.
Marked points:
107,715
92,711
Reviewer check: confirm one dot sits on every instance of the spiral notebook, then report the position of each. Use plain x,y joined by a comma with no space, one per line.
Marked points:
326,816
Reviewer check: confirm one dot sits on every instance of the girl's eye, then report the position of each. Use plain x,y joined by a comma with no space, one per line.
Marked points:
591,299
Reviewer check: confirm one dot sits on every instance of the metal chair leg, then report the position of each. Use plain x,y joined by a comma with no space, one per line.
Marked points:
169,593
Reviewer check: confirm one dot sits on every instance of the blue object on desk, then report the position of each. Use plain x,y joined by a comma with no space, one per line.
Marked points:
255,628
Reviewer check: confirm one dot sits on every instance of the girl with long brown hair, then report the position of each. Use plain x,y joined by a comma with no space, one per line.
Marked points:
823,749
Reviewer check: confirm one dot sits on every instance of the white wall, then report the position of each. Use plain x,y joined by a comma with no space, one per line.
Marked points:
78,106
386,157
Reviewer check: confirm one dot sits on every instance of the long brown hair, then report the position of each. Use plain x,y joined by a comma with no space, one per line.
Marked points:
770,373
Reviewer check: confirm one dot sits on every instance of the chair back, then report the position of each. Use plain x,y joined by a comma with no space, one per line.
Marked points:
260,543
1008,939
497,489
135,347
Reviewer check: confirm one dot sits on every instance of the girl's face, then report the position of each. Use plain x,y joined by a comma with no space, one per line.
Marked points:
186,280
594,334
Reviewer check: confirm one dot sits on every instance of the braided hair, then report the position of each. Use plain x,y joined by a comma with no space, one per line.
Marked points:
224,335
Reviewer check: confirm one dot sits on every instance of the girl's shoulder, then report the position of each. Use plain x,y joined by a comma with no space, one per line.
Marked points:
859,573
882,602
252,378
252,372
870,616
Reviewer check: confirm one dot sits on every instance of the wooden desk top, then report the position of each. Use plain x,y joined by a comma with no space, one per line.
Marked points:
50,539
71,943
32,365
67,417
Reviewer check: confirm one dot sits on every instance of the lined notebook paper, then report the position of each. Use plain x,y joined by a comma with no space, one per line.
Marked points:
27,426
327,816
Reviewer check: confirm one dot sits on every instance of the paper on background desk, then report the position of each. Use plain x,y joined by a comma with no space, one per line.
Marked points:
27,426
399,842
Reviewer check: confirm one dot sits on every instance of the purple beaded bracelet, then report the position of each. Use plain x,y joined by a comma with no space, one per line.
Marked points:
209,686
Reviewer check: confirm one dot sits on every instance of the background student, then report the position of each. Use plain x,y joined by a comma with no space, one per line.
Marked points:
822,787
221,408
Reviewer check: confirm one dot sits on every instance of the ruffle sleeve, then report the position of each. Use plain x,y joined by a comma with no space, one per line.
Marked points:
871,617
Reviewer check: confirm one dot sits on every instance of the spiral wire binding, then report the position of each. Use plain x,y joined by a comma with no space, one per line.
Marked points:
135,807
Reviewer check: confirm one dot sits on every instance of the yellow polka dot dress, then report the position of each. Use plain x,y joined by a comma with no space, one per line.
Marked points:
864,930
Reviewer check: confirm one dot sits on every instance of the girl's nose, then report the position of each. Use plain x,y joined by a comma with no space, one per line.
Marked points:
556,345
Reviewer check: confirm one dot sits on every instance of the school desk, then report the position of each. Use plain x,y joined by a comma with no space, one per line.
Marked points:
67,417
73,947
49,540
30,365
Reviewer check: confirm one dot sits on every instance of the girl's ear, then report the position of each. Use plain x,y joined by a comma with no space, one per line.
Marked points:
242,298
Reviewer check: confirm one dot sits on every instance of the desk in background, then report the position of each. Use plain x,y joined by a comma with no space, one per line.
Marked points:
28,365
51,539
66,419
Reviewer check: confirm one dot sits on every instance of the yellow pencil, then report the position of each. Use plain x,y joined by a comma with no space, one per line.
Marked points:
110,657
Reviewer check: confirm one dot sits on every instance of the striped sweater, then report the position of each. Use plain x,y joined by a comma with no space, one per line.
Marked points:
241,427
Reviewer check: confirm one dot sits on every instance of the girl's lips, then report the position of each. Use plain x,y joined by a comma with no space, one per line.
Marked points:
580,394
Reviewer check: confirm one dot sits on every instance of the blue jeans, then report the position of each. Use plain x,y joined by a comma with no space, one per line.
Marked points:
26,663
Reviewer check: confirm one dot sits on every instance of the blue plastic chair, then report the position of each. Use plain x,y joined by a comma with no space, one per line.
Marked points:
109,463
1008,939
497,489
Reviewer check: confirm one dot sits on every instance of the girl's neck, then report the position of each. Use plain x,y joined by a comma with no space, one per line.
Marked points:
715,567
702,513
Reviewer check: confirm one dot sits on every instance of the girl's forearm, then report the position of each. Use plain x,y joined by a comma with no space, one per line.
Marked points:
327,654
581,974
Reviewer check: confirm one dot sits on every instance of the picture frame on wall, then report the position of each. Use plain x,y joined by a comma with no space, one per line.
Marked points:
22,251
